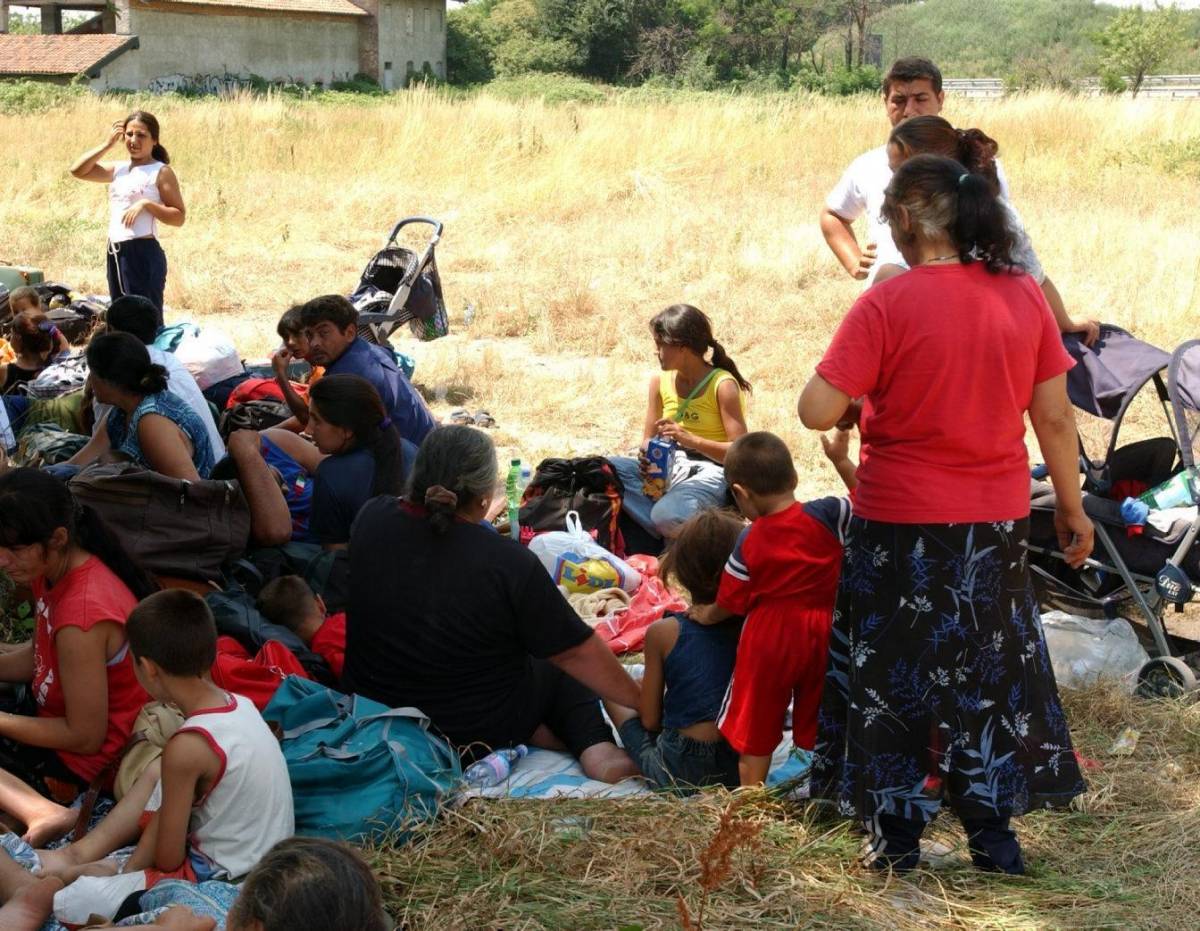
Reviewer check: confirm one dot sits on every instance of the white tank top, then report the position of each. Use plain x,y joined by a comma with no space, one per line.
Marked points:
130,184
249,807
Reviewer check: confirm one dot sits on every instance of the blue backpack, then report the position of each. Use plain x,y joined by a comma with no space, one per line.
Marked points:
360,771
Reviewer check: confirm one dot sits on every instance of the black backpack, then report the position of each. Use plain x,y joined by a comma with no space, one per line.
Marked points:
589,486
253,415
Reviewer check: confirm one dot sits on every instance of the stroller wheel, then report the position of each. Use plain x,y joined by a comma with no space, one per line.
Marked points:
1165,677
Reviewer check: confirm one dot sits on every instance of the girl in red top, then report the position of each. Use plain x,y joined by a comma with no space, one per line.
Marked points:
938,667
77,665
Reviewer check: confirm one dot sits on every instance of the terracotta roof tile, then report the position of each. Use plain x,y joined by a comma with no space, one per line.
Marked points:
329,7
65,54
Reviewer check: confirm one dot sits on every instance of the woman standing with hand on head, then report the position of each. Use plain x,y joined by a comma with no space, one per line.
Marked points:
141,193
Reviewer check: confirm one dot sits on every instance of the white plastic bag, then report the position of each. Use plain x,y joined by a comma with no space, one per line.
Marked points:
580,564
1084,651
209,355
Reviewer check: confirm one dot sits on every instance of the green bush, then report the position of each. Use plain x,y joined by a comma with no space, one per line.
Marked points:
469,56
1113,83
551,88
35,96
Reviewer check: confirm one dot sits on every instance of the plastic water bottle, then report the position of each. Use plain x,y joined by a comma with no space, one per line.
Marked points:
526,478
1181,490
513,495
494,768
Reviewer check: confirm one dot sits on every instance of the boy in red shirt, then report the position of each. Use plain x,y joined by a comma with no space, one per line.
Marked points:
289,602
783,577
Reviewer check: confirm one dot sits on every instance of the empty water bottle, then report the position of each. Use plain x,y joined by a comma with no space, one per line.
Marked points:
494,768
1180,491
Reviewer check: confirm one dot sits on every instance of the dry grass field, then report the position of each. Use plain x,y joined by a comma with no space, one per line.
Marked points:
566,229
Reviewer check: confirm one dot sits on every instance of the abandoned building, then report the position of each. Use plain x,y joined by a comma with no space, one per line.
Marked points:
209,44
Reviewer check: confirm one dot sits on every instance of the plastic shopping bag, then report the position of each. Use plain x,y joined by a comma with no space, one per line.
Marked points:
580,564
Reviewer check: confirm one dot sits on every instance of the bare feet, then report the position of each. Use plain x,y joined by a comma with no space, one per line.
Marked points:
30,906
97,868
55,862
49,824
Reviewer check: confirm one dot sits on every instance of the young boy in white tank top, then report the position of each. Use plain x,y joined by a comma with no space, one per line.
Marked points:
224,798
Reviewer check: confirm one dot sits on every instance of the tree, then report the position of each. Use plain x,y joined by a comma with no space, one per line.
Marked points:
858,14
1137,41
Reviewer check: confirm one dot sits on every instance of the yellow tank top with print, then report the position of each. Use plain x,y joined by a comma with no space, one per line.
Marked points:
702,416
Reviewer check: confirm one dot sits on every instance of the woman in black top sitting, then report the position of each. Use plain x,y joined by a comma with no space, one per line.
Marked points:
449,617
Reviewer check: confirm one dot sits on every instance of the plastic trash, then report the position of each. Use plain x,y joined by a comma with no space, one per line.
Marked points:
1125,743
1085,651
1134,512
494,768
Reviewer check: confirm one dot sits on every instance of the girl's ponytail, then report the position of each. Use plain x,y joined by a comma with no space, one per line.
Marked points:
721,360
158,153
981,228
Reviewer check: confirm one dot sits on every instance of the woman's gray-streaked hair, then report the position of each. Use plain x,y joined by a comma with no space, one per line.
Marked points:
458,458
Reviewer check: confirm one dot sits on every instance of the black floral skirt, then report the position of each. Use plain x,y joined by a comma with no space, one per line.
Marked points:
939,685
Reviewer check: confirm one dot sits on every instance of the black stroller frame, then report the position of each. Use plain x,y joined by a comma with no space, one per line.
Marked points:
400,286
1168,572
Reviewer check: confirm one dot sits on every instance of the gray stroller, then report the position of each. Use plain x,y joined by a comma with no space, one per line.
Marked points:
1134,573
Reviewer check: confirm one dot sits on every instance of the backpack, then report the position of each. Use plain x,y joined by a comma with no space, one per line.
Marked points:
236,614
253,415
588,486
43,444
360,771
168,525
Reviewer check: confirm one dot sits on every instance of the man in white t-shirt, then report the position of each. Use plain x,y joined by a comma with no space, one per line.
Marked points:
912,87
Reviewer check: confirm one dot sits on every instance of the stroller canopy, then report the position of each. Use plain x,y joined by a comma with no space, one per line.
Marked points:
1108,374
1183,388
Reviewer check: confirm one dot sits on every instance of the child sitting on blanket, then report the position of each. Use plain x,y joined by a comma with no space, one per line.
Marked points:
782,576
289,602
673,737
224,798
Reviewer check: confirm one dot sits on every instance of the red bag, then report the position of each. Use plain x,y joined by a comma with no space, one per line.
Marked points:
261,389
257,678
625,632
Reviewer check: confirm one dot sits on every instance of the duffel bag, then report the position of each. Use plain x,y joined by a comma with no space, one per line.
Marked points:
360,771
168,525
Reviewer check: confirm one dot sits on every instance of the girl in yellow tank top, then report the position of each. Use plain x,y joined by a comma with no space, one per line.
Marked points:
698,402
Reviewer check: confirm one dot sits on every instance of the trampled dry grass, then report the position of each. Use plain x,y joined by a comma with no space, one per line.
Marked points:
567,228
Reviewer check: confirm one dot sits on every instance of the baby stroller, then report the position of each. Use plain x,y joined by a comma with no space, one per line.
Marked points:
1129,575
402,286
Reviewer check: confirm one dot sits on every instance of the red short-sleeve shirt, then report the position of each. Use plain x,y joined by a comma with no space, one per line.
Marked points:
948,357
84,597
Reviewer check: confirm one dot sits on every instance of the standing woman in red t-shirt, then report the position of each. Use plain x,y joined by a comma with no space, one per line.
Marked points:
84,695
939,686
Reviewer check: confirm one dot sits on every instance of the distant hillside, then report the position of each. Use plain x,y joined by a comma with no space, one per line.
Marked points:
1001,38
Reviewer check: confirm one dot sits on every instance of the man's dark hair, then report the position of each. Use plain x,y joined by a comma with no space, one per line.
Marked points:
332,307
761,463
904,70
286,601
175,629
133,314
290,323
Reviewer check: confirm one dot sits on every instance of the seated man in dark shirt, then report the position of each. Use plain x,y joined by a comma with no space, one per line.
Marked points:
331,323
468,626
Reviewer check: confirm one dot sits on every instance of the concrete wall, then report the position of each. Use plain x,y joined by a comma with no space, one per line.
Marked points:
411,33
177,47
